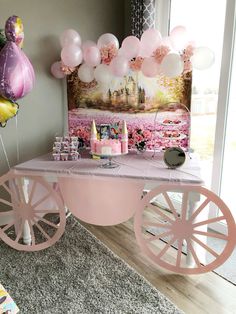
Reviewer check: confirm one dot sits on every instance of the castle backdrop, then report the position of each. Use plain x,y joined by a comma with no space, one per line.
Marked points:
139,101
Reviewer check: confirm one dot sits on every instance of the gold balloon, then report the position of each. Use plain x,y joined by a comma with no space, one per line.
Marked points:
8,110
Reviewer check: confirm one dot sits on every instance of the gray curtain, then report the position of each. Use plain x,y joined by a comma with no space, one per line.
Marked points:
142,16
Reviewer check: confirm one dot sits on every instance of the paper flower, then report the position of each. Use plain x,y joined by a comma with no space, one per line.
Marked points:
135,65
66,69
108,52
160,53
186,55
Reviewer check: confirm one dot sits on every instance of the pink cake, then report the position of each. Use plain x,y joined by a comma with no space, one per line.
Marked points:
107,147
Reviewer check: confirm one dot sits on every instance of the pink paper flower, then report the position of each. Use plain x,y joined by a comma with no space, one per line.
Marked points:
66,70
186,55
135,65
160,53
108,52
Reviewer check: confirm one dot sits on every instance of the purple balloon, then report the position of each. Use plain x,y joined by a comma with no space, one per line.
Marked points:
14,30
16,72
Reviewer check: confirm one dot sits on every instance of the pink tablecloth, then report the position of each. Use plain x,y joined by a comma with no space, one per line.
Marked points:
133,166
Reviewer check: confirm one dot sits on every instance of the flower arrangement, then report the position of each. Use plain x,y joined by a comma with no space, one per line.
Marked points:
108,52
138,138
160,53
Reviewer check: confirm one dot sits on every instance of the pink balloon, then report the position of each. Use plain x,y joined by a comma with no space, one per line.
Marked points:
56,70
71,55
149,67
92,56
150,40
70,37
130,47
107,39
166,41
179,37
119,66
88,44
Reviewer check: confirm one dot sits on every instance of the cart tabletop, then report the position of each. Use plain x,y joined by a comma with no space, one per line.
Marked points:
134,166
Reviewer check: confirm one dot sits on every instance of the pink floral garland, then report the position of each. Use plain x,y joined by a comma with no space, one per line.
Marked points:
160,53
135,65
186,57
108,52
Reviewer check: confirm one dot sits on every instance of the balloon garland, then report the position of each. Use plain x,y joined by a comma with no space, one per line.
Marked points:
16,72
152,55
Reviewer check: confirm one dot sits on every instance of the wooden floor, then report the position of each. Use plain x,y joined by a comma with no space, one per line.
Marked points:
195,294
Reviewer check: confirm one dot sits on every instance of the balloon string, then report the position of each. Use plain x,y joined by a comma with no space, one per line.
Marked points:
17,142
5,153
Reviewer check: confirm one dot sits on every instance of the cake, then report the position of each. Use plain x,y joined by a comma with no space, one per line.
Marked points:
109,146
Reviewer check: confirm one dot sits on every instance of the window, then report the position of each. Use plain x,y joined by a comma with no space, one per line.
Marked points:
213,132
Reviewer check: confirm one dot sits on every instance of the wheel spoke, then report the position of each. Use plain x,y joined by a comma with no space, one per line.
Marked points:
179,254
10,193
41,230
20,190
6,202
20,231
206,247
31,232
166,248
200,208
170,204
193,253
41,200
158,211
208,221
9,213
7,226
184,206
32,192
158,236
211,234
156,224
47,222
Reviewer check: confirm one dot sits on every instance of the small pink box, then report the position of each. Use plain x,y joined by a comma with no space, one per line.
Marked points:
64,156
74,139
74,156
59,138
56,156
66,139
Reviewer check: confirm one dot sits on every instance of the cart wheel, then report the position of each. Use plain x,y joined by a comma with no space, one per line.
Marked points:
181,240
30,212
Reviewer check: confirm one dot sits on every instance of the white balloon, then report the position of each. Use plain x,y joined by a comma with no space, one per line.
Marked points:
172,65
86,73
179,37
150,40
70,37
107,39
102,74
130,47
202,58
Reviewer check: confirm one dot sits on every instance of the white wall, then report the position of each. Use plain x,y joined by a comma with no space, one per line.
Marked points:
41,113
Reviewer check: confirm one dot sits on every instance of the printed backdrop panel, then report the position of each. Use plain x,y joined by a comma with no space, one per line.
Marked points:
156,110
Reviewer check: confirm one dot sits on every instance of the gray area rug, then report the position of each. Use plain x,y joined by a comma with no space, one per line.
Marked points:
77,275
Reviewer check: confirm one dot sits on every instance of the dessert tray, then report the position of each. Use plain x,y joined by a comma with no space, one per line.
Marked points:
172,137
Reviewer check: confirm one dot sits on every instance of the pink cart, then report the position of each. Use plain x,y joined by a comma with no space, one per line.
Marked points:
171,208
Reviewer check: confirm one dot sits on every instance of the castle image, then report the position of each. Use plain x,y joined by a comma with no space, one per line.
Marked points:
129,93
